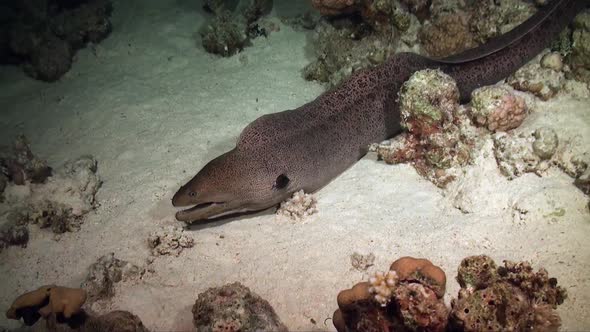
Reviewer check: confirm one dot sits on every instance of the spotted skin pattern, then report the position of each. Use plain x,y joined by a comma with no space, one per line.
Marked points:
311,145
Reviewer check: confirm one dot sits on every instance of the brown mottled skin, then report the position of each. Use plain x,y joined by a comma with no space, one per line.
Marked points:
307,147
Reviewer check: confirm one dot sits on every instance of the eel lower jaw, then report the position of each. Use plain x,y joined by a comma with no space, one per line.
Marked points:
205,211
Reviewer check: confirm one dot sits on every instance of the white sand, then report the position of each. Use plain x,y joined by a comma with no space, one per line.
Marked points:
153,108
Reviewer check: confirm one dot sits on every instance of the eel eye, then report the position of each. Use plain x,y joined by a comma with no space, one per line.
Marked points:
281,182
192,193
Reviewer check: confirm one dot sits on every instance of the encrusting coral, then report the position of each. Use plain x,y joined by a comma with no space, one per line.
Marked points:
440,136
507,298
62,305
537,151
233,307
407,297
512,297
50,302
497,108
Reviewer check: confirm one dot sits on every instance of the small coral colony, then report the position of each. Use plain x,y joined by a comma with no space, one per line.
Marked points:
440,137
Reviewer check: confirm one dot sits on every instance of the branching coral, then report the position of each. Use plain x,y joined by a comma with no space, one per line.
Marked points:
299,206
404,298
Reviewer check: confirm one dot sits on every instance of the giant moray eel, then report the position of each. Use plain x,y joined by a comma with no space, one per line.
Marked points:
307,147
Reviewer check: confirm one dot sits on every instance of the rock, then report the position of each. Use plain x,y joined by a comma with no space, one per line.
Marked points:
234,307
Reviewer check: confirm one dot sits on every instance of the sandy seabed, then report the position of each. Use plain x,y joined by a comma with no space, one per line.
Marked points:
153,108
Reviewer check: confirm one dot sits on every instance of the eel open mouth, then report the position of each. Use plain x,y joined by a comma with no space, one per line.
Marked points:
202,211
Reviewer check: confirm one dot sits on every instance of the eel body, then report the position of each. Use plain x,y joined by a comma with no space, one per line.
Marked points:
305,148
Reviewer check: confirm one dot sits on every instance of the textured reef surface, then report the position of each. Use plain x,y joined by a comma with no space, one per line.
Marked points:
141,94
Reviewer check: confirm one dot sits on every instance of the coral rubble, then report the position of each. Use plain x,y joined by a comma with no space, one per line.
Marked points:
171,240
13,233
537,151
105,273
58,199
233,307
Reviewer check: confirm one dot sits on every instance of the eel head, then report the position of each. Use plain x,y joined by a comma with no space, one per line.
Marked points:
234,182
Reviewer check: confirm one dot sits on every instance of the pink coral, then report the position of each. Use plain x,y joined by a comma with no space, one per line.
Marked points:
497,108
336,7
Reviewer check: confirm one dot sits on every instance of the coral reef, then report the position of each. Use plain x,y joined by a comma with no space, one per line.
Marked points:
233,307
340,52
224,36
515,155
19,165
61,201
579,59
493,18
63,305
544,79
299,207
358,34
440,137
447,34
13,233
47,214
170,240
537,151
511,297
337,7
497,108
407,297
114,321
105,273
44,35
53,303
228,32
